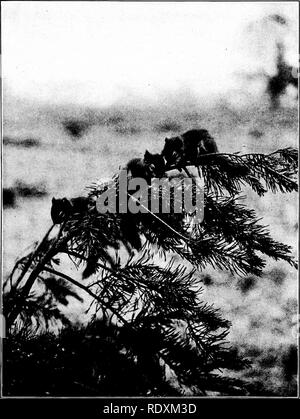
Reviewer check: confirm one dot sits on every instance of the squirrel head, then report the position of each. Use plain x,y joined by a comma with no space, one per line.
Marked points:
155,163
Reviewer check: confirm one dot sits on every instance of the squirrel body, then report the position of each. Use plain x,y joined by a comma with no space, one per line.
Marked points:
151,166
186,148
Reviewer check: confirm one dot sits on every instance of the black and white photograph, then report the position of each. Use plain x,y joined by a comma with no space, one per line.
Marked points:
149,202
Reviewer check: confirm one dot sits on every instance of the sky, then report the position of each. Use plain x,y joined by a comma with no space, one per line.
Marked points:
101,52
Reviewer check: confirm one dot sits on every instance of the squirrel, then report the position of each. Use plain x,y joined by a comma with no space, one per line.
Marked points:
152,165
63,208
186,148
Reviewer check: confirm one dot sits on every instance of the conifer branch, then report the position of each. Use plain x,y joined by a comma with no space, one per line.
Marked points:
88,291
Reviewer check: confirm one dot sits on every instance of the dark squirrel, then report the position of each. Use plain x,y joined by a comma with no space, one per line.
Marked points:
186,148
63,208
152,165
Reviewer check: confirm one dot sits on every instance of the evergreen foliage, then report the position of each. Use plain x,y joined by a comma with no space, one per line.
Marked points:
156,336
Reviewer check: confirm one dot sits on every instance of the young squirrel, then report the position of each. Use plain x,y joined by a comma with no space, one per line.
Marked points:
152,165
186,148
63,208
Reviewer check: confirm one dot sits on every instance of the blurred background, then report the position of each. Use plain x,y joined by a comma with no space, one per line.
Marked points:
89,85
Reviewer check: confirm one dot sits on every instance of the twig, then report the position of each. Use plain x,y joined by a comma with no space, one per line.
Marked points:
30,260
102,266
88,291
159,219
282,176
13,314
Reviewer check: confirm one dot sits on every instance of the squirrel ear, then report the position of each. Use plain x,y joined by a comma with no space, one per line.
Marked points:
147,154
53,199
